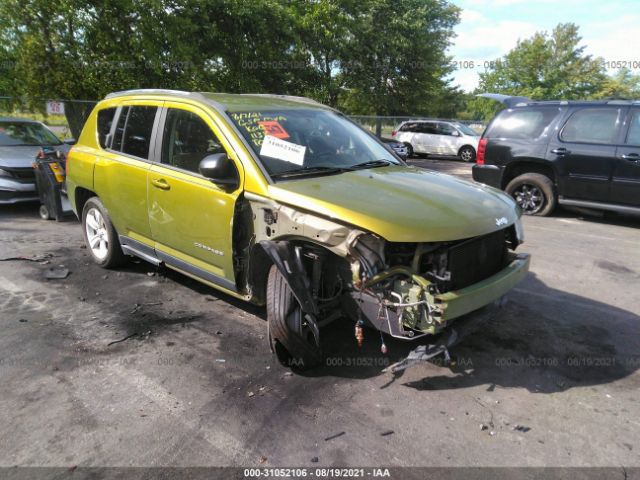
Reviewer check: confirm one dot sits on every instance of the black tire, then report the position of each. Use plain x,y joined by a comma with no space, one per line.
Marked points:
44,213
467,154
290,340
108,254
534,192
409,150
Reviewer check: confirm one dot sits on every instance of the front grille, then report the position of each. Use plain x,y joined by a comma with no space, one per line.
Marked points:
476,259
24,173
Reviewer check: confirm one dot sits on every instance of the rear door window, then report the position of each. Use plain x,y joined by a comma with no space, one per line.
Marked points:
592,125
429,128
525,123
134,130
408,127
105,121
633,137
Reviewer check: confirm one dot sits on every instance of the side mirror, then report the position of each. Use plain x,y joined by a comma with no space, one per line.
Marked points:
70,141
455,133
219,169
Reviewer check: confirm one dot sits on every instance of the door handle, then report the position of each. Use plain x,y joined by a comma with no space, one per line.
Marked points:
632,157
160,183
560,151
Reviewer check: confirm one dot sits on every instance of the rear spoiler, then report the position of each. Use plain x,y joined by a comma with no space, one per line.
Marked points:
508,100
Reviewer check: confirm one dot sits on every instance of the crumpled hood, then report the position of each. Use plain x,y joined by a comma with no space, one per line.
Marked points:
402,204
23,156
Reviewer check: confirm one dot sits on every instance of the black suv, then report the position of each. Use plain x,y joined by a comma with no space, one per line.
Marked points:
577,153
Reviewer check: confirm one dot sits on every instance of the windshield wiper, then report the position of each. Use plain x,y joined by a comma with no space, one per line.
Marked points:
301,172
371,164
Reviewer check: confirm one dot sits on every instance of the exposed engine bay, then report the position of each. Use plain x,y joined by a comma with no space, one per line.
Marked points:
335,270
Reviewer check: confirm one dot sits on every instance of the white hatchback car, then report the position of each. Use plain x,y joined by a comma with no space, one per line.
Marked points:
438,137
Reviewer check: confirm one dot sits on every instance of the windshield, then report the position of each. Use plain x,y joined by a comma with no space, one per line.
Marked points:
310,141
466,130
13,134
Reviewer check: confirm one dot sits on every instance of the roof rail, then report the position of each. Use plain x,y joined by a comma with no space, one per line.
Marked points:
152,91
509,100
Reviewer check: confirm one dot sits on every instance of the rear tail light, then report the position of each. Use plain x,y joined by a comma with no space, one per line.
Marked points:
393,134
482,147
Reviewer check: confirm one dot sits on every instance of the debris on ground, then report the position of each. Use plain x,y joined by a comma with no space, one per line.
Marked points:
23,320
263,459
56,273
142,336
424,353
387,432
220,360
138,306
315,460
522,428
250,394
334,436
44,258
489,424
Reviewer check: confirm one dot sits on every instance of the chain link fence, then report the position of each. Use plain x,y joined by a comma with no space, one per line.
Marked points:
384,126
66,117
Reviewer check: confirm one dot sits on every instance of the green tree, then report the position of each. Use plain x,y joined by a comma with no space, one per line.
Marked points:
544,67
397,61
621,85
369,56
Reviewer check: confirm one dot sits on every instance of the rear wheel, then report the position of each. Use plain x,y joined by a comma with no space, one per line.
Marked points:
290,335
409,150
44,213
534,193
100,236
467,154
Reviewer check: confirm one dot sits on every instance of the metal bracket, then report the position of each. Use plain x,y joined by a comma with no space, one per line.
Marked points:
424,353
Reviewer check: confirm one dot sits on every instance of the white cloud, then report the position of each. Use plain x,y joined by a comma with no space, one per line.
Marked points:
481,37
614,40
481,40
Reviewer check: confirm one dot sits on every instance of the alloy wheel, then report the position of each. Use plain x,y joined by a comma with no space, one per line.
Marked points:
529,197
97,235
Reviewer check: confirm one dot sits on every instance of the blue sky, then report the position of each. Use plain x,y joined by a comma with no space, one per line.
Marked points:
490,28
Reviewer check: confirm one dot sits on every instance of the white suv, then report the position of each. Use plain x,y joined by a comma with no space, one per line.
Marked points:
438,137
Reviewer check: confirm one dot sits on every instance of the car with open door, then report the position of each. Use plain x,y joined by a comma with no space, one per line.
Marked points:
287,203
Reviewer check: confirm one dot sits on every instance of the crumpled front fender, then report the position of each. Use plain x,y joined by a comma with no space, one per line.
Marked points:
287,258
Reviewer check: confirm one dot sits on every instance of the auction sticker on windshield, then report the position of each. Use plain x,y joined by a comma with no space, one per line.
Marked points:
273,128
282,150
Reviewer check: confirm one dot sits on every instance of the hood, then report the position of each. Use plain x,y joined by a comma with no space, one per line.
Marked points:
23,156
402,204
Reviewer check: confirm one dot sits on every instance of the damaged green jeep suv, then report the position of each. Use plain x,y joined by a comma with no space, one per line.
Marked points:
285,202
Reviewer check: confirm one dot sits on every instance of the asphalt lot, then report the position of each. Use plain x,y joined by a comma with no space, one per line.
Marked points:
550,379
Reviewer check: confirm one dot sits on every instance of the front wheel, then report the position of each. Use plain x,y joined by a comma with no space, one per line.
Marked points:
100,236
467,154
290,335
534,193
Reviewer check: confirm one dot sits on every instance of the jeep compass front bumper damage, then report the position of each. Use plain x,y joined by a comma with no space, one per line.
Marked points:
407,290
436,310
